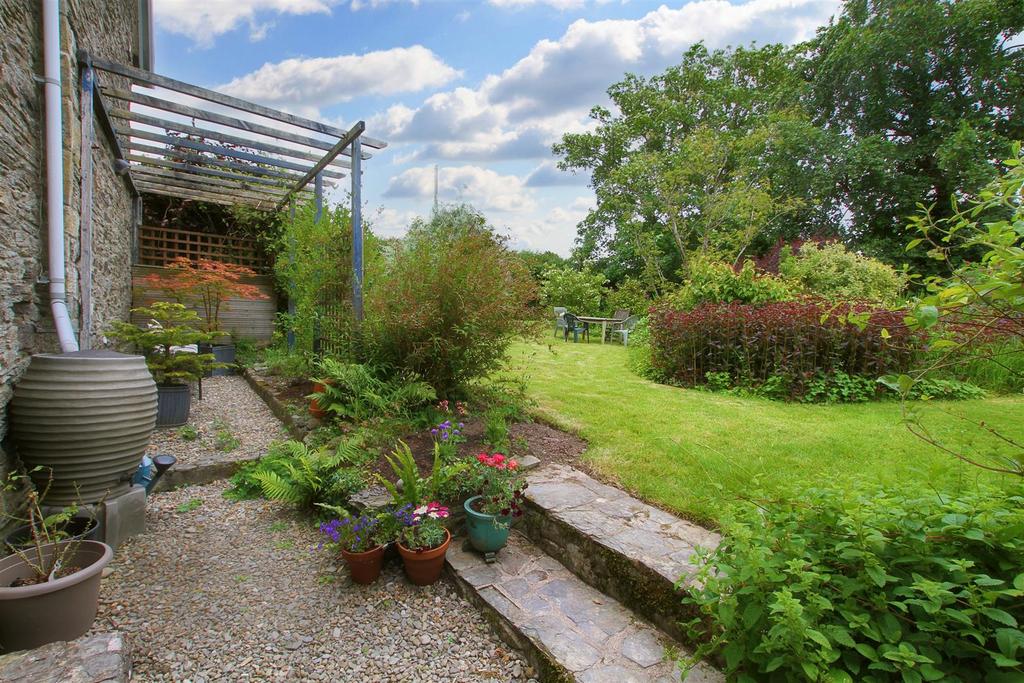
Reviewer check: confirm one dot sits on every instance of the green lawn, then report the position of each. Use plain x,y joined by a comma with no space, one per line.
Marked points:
694,451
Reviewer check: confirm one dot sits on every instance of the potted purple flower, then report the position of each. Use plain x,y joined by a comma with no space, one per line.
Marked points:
423,541
361,541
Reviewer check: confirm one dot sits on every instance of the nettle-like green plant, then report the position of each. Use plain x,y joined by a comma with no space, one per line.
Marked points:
877,585
168,329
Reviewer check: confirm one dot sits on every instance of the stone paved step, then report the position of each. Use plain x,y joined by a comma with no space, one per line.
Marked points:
622,546
569,631
96,658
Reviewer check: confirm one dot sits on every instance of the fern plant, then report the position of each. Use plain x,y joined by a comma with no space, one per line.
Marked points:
414,489
357,391
311,476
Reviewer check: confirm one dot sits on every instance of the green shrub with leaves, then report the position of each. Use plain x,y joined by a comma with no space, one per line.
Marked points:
716,282
308,478
630,296
639,352
872,585
450,302
580,291
359,392
834,272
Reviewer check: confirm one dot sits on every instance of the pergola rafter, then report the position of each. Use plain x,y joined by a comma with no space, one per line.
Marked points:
181,140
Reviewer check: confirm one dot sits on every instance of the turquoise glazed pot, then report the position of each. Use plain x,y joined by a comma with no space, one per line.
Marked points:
487,533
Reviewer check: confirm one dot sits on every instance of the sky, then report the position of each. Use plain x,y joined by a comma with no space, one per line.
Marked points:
480,90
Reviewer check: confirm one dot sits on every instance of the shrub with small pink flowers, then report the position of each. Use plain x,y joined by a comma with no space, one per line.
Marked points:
500,484
422,527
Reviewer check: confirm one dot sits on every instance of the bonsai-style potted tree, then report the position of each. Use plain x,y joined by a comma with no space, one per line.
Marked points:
207,284
49,589
170,343
499,485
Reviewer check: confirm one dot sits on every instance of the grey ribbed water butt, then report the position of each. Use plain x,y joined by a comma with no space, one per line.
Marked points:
86,417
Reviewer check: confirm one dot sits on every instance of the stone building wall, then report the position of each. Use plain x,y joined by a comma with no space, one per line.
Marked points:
108,29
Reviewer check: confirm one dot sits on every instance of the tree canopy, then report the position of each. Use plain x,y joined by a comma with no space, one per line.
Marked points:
894,103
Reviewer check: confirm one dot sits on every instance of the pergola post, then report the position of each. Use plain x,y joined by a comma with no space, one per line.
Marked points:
291,281
357,230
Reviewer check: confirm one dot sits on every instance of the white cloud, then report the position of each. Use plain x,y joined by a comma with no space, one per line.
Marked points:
482,187
519,112
388,222
549,175
557,4
312,83
204,21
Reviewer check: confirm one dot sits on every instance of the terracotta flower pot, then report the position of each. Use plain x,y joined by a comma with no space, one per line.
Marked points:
63,609
423,567
314,406
364,567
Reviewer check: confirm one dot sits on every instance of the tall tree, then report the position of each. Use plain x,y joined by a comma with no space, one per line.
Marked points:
706,156
927,95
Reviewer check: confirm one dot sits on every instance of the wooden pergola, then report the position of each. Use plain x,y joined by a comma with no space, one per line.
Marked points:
176,139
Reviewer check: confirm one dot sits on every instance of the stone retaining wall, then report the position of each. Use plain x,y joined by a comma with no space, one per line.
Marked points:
107,29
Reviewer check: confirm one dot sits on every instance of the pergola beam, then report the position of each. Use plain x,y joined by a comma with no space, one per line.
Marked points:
200,159
213,117
155,173
205,196
348,139
220,151
135,117
149,78
201,186
153,162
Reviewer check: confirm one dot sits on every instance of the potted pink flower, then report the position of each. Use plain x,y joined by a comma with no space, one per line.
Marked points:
489,514
423,541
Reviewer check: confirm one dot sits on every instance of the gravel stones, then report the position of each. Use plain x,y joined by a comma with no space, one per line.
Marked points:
236,591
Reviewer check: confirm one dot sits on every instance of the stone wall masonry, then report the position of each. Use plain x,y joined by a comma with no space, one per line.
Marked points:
106,29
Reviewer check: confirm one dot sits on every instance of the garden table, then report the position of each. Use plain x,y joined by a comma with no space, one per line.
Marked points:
595,319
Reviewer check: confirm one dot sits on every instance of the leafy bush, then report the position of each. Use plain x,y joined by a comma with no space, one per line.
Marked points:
307,478
996,364
794,340
838,274
715,282
450,302
870,586
639,352
356,391
580,291
839,387
630,296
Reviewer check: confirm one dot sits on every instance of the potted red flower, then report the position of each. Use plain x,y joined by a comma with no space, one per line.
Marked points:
489,514
207,284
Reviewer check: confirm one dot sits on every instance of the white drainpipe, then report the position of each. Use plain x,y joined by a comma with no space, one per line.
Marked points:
55,175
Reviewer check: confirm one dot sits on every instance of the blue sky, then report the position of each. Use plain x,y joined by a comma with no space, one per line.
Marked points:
479,89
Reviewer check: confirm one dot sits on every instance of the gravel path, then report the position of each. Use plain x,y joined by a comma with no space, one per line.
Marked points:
218,590
229,406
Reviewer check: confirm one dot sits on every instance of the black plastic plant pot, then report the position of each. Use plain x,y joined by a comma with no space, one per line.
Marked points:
224,353
173,402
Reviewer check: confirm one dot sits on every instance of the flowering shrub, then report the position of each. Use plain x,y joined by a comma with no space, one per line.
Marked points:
421,527
206,283
500,485
793,341
873,585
